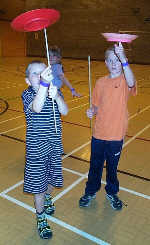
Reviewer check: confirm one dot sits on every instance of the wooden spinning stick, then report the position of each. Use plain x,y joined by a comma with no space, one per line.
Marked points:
46,42
90,89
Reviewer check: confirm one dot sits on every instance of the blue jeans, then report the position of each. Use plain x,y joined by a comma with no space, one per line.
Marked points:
102,150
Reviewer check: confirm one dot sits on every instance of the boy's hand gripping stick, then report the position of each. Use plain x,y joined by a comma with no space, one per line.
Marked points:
47,76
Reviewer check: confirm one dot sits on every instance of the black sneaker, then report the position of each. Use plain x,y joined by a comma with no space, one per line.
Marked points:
44,229
115,202
86,200
49,207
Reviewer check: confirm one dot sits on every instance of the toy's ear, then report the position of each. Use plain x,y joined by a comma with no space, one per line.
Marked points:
27,81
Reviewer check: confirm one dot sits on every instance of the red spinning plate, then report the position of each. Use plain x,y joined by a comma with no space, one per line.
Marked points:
35,20
117,37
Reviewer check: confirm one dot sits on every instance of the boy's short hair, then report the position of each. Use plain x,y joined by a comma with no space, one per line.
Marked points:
108,51
55,51
29,66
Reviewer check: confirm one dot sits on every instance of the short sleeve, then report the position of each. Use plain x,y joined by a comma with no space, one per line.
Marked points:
59,69
27,99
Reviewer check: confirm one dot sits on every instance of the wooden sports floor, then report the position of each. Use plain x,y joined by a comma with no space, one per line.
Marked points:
98,224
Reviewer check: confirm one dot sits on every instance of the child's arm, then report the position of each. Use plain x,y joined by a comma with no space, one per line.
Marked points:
129,76
68,84
53,93
92,111
38,102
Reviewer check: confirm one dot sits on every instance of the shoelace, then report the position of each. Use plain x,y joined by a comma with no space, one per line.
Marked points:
42,223
124,204
48,201
117,199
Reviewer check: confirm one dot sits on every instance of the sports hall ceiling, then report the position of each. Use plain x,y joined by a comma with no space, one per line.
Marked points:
83,21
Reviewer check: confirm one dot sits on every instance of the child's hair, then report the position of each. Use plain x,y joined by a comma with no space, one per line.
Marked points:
108,51
29,66
55,51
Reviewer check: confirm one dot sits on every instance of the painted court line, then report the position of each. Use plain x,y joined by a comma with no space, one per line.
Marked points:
134,115
75,150
79,98
13,118
12,187
80,106
13,129
137,113
82,146
59,222
134,137
70,187
73,172
135,193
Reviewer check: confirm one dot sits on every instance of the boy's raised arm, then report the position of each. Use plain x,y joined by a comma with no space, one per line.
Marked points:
129,76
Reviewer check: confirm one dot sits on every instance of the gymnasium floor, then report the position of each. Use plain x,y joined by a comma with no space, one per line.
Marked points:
98,224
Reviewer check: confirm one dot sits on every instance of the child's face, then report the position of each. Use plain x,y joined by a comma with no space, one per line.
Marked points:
53,59
34,75
113,64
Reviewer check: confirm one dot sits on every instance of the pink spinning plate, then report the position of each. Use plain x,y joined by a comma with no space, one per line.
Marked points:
117,37
35,20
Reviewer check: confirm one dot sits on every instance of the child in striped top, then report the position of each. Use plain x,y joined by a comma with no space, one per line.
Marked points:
43,168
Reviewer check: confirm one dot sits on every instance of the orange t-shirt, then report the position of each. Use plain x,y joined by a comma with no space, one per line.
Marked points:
110,95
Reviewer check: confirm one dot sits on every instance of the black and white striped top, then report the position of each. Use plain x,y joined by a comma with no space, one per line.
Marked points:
41,126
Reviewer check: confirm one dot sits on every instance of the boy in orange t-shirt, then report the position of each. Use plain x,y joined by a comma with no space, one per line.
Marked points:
109,104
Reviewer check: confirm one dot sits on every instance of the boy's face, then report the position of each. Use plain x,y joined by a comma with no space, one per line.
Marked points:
35,71
113,64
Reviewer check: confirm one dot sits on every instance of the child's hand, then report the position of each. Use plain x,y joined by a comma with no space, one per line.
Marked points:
90,113
119,51
52,92
75,94
46,75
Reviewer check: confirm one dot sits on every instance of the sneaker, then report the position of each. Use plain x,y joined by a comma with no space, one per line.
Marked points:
115,202
49,207
44,229
86,200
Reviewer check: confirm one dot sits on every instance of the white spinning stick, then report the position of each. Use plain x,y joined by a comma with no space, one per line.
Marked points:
46,42
89,68
90,89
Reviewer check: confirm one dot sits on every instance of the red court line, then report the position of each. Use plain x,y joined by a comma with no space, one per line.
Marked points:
77,124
